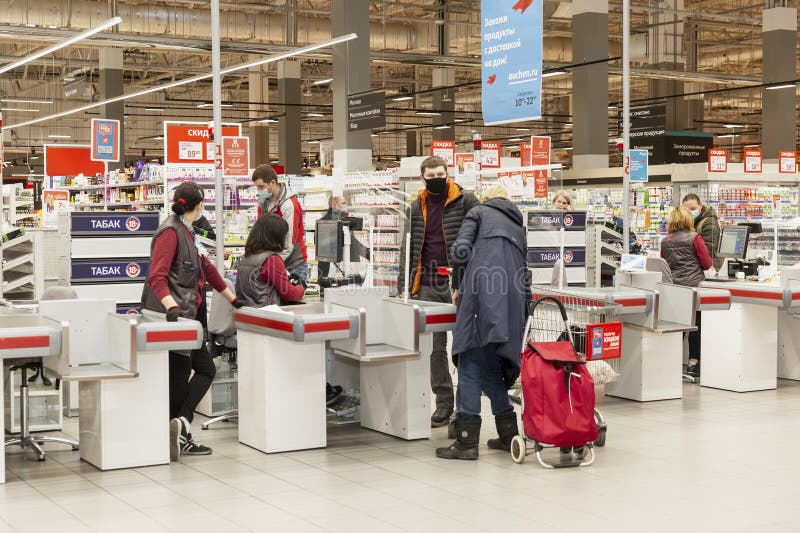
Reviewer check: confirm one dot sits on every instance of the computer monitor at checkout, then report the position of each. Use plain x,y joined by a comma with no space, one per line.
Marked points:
733,242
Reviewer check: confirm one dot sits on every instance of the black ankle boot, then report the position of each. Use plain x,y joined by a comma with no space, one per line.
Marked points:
506,430
468,434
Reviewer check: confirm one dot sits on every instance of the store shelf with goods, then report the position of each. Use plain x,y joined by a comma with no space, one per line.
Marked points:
603,254
18,206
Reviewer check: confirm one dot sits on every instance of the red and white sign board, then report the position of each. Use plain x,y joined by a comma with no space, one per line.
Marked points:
490,155
717,160
187,143
525,154
235,157
465,162
752,161
446,150
787,162
540,156
70,160
604,341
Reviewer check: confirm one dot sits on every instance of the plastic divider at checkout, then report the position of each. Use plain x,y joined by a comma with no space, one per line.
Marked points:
121,365
25,335
281,360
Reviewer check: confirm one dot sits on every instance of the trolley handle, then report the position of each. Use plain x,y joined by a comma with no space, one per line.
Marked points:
561,308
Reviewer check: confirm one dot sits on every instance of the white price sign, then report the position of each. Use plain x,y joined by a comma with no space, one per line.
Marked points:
190,150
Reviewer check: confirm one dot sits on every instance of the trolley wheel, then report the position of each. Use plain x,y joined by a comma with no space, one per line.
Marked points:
518,449
451,429
601,437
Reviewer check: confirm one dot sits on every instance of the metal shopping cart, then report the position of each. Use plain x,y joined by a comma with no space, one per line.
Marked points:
590,325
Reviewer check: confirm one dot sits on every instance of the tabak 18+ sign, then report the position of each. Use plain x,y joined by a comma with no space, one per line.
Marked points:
569,220
113,223
113,270
548,256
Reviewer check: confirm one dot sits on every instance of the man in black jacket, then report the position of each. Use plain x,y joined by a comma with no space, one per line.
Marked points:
433,219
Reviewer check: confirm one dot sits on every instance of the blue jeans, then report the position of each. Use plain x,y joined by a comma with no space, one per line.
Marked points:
301,271
479,370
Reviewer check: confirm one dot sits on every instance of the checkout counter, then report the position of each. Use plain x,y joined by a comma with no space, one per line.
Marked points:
654,317
121,365
286,356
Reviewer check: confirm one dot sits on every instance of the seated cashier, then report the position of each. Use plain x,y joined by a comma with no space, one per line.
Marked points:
262,278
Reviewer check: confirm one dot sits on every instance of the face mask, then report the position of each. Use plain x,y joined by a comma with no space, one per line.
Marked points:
695,213
264,195
436,185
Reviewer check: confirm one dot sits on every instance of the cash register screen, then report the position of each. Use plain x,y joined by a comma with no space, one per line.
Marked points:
330,240
733,242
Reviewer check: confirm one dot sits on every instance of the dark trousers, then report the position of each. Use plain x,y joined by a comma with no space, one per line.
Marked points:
441,380
479,370
694,340
186,393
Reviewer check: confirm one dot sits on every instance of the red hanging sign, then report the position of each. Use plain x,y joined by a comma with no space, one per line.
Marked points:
752,161
717,160
787,162
71,160
540,156
490,155
525,154
191,143
235,157
445,150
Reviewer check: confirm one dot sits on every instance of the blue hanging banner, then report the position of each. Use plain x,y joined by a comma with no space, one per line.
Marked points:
511,59
638,165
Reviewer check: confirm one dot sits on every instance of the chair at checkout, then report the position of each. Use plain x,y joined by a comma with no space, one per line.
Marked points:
121,365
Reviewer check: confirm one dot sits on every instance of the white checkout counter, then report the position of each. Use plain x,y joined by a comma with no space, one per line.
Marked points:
283,366
756,341
121,365
654,317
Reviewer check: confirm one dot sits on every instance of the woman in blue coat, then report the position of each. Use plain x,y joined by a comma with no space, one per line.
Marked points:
491,274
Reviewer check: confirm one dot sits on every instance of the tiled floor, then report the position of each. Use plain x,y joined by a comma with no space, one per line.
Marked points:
715,461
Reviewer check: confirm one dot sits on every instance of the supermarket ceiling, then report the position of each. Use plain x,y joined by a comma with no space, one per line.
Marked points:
168,40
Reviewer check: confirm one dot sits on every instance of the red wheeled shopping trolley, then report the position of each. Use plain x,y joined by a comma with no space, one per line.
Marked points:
557,390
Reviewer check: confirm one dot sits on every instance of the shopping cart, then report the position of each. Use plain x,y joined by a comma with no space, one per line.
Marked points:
584,313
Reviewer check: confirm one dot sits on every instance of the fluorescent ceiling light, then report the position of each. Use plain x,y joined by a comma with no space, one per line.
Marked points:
211,105
402,98
553,73
312,142
784,86
32,158
515,140
522,129
201,77
267,121
154,109
50,49
409,125
442,127
729,135
54,136
733,126
25,101
323,82
612,107
428,114
19,109
568,124
568,148
374,135
158,138
314,115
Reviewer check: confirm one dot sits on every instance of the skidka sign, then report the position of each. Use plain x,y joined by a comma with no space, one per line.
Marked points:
113,223
570,220
116,270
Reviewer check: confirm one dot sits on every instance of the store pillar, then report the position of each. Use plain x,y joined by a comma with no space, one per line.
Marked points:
590,84
444,102
290,151
258,96
412,147
352,150
111,85
779,64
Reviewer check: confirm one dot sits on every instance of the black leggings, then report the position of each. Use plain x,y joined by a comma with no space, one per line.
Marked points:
694,340
185,393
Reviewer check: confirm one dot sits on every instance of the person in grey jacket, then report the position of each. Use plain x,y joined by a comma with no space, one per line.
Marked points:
490,256
433,219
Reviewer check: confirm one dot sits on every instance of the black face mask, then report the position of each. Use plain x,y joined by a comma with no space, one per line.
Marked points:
436,185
